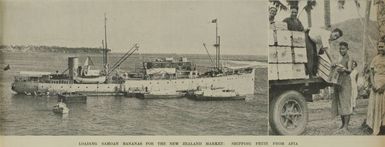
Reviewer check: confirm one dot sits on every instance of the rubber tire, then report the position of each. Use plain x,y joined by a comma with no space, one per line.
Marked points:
276,106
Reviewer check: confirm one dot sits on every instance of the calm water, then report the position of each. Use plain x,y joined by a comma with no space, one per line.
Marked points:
110,115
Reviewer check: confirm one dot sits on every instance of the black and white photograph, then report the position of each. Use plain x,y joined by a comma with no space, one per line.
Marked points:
156,67
320,66
202,73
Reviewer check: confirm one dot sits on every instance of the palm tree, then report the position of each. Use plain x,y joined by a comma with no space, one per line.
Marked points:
293,3
327,13
278,4
309,6
367,15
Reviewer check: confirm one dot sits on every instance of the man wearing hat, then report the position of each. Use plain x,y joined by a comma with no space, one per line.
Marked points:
272,13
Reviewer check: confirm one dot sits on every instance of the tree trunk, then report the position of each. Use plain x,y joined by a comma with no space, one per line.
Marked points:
327,13
367,15
309,23
367,11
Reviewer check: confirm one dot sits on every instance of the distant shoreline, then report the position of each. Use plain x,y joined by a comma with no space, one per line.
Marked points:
54,49
89,50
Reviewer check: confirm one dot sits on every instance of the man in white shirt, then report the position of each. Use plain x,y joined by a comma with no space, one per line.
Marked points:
317,44
322,38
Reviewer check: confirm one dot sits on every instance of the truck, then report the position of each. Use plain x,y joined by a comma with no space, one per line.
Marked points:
290,85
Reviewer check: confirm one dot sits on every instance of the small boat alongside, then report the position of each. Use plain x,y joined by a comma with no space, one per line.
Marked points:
216,94
61,108
161,95
72,97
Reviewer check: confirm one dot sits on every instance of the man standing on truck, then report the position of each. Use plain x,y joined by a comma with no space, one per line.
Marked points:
272,13
317,43
293,23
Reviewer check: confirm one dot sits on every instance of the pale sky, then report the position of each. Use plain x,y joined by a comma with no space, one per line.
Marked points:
159,26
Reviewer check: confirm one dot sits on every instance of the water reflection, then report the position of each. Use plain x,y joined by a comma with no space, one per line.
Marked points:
118,115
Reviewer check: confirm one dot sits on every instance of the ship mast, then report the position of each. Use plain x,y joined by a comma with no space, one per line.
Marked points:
217,46
105,59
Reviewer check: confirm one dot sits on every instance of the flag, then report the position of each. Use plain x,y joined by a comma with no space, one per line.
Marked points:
7,68
214,21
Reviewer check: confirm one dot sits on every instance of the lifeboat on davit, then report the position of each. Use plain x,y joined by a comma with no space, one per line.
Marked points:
90,79
89,76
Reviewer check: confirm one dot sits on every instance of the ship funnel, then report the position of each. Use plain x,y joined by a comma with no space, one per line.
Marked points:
73,63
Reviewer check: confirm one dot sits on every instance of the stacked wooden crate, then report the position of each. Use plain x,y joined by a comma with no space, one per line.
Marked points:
287,54
325,70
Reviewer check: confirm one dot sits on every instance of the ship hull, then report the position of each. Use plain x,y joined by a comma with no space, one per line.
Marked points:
160,96
217,98
243,84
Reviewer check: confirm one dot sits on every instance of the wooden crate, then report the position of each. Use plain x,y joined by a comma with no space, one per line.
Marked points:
273,55
325,71
298,39
287,71
284,38
278,26
273,72
292,71
279,54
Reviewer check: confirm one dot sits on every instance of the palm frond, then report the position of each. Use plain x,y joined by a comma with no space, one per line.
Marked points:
358,5
278,4
293,3
378,1
341,4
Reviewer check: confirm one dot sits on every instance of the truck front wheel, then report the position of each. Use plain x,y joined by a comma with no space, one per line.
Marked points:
288,113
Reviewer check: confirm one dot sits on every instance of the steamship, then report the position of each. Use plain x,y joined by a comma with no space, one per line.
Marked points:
166,77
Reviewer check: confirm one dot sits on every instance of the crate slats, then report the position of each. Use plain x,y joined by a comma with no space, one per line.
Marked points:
278,54
284,38
287,71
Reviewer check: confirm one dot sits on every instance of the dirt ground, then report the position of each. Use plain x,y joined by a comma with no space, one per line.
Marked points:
321,121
